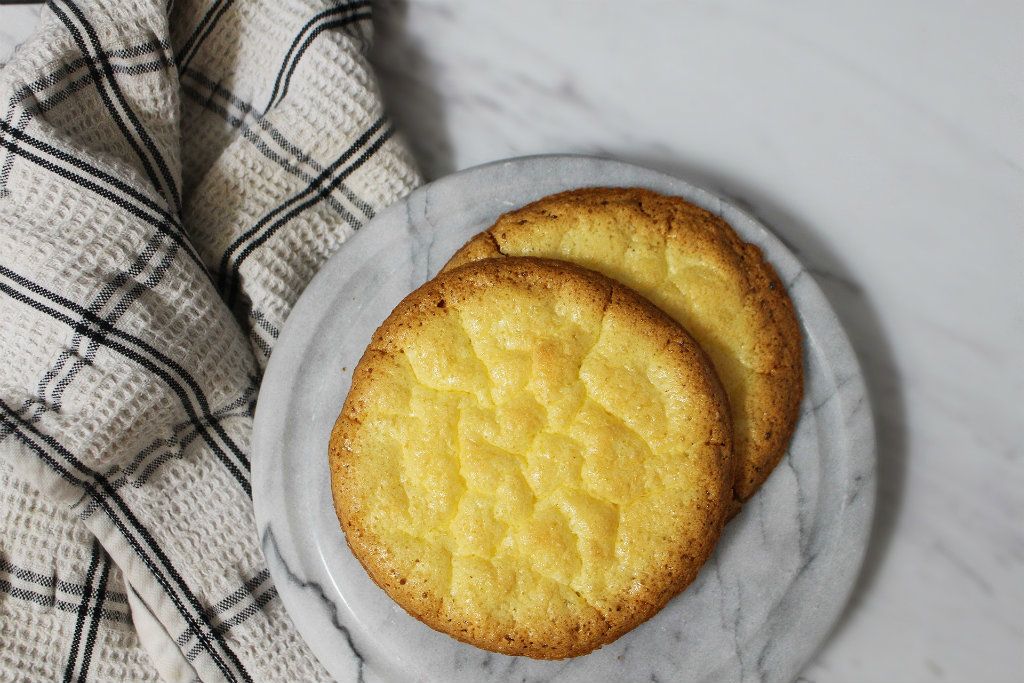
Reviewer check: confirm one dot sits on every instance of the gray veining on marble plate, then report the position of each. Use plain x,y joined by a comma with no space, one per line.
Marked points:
760,607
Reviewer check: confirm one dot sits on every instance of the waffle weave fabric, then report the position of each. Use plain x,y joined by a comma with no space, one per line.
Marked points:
170,180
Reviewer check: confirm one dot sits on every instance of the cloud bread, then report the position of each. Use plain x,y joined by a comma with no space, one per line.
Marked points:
532,458
693,266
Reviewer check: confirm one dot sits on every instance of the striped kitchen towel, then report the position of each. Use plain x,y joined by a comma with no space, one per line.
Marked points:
172,174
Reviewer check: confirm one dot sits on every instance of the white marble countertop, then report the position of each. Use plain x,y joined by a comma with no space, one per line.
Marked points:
883,141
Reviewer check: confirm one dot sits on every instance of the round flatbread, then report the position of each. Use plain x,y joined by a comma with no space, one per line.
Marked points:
532,458
693,266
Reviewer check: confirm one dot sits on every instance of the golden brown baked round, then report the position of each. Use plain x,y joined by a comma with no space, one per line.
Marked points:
693,266
532,458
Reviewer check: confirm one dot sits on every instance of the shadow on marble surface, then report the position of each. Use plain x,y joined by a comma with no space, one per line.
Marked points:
859,317
407,79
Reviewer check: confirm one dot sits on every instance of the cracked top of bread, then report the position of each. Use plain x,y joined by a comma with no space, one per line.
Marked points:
692,265
532,458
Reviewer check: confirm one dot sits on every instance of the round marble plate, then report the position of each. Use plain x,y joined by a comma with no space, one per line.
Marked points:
761,606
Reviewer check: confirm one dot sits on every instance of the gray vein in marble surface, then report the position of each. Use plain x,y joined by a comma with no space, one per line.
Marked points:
965,568
268,543
801,504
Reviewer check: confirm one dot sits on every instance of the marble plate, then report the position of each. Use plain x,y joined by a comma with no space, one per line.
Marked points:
761,606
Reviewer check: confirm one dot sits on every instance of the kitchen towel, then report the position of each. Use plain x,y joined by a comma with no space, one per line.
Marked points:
172,174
